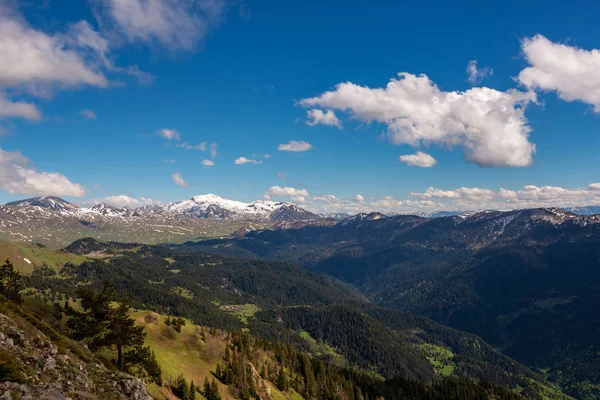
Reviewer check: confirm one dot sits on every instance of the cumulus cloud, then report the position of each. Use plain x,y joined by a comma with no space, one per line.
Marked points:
419,159
488,124
178,179
207,163
169,134
88,114
384,204
244,160
460,199
20,109
278,191
124,201
38,62
328,198
476,74
328,117
17,176
213,150
529,196
572,72
294,145
175,24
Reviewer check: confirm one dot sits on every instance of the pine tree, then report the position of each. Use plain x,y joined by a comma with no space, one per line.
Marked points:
10,282
192,395
214,391
206,391
106,325
227,354
282,380
218,372
181,388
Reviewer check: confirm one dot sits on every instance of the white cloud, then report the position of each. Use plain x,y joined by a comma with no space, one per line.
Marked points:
384,204
213,150
328,198
488,124
124,201
244,160
298,199
207,163
419,159
175,24
18,177
294,145
169,133
316,116
594,186
37,62
88,114
476,74
278,191
178,179
9,109
527,197
187,146
572,72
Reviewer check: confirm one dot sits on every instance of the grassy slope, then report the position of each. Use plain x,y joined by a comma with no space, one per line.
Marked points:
18,253
189,356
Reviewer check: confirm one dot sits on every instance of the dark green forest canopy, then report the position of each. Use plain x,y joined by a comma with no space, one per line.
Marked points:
290,300
525,281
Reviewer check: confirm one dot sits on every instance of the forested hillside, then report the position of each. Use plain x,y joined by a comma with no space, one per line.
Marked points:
526,281
281,302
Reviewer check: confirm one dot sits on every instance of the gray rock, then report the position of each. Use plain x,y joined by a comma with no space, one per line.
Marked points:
54,394
50,364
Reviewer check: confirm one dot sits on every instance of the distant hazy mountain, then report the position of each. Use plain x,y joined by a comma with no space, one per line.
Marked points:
587,210
335,215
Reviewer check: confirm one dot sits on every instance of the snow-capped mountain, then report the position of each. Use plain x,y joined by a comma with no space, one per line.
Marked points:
110,211
48,202
56,222
215,207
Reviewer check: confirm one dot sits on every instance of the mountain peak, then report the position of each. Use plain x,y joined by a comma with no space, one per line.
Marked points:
111,211
50,202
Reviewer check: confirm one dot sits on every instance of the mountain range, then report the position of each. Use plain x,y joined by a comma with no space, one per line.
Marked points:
55,222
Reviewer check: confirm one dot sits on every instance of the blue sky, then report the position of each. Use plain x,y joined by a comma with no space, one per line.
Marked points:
237,74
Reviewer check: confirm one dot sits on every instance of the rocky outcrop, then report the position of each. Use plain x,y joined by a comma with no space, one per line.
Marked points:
39,369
